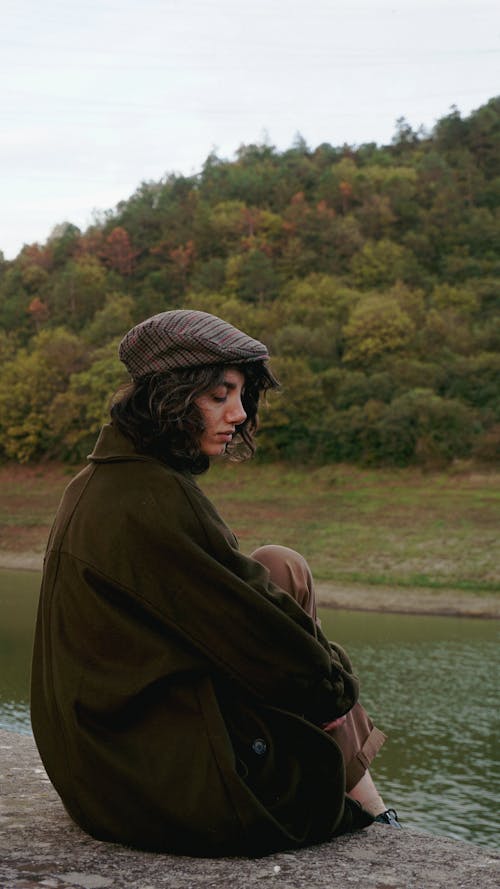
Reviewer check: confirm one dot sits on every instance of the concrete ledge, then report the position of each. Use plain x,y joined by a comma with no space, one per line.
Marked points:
41,847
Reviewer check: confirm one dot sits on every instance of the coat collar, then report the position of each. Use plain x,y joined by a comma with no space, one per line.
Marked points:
112,446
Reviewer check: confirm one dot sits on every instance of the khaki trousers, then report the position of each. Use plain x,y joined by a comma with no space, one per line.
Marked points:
358,739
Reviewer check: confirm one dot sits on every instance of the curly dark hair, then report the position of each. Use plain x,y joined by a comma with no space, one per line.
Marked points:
159,414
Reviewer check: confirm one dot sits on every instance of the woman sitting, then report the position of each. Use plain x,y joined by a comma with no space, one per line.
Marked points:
184,698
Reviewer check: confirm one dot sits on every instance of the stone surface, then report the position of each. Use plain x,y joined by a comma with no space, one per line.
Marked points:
41,847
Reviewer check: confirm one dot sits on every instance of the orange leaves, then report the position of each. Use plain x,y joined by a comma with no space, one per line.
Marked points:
182,256
39,311
118,253
34,254
346,190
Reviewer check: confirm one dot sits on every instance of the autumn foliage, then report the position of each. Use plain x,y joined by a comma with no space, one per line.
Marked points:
372,273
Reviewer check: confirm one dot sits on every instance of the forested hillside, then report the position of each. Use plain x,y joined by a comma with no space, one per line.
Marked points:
373,274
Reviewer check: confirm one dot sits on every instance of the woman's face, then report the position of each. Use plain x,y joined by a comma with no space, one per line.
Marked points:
222,412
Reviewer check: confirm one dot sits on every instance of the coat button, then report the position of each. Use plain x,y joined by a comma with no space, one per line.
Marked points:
259,747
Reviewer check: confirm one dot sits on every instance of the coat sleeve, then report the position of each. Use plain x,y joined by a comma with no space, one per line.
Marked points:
223,603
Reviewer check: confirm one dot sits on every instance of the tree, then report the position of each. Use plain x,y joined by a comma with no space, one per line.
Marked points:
182,258
36,255
114,319
381,263
376,216
474,380
8,347
338,185
445,332
257,278
76,414
63,240
405,138
209,275
28,385
14,302
375,268
34,278
227,220
77,291
292,424
318,345
39,312
118,253
377,327
347,388
421,427
462,300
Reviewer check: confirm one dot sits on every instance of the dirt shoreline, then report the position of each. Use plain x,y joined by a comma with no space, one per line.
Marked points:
408,600
352,597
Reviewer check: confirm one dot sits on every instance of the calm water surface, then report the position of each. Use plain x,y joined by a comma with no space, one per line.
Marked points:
430,683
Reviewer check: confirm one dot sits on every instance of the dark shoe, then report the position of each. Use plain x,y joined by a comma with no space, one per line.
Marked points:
390,816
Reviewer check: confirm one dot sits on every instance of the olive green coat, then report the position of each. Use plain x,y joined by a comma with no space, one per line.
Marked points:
176,692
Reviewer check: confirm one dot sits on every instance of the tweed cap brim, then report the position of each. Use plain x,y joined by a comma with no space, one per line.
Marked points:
185,338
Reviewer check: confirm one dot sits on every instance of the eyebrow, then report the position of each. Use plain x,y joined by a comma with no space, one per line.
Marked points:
228,384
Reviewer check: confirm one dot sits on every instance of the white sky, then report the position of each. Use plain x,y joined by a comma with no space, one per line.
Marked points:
100,95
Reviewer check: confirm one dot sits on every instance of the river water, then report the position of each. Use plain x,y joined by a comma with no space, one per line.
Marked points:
430,683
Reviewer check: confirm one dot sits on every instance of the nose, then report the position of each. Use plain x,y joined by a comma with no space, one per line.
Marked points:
236,413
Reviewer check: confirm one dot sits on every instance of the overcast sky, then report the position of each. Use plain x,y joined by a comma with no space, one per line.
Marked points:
100,95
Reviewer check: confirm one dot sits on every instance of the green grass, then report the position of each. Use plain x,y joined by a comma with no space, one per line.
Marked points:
402,528
392,527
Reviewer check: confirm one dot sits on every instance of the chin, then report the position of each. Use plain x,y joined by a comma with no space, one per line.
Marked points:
215,451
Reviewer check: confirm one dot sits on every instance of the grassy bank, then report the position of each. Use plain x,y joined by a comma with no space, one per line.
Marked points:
391,527
383,527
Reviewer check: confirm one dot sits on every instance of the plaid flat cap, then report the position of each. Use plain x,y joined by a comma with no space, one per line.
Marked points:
185,338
